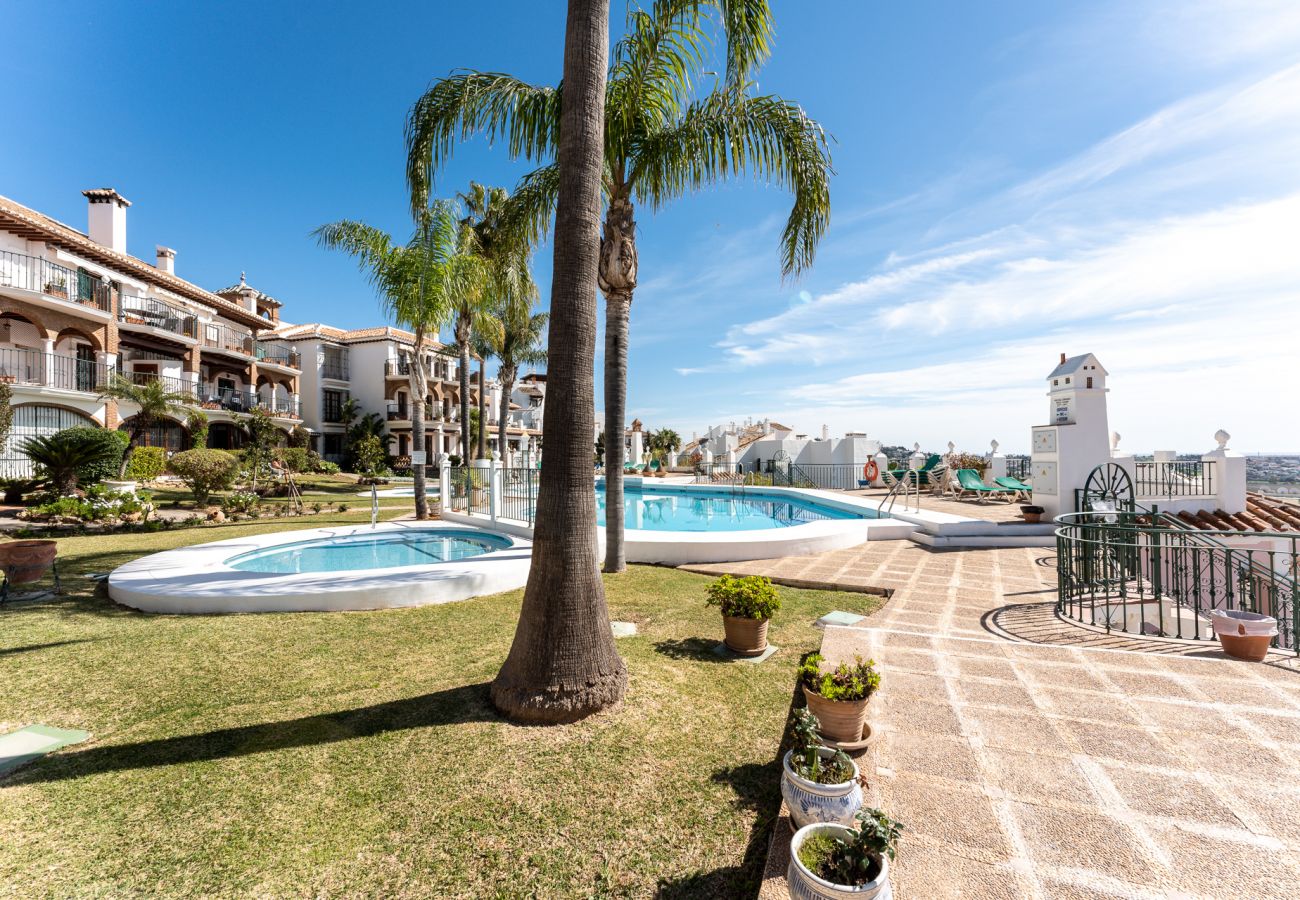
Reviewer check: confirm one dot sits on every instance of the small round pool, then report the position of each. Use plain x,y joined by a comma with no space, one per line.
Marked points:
364,551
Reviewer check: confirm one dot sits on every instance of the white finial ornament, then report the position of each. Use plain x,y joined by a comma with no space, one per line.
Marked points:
1222,437
916,448
993,445
1114,441
951,447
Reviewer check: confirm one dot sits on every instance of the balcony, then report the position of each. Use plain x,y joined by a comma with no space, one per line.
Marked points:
224,339
243,400
40,276
171,384
52,370
401,412
278,355
152,314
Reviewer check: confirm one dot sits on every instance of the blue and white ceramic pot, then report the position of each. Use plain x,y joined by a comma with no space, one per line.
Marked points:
811,802
804,885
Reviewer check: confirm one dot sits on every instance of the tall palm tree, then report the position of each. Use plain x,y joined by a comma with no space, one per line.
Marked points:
154,402
419,284
663,137
501,236
516,340
563,664
665,441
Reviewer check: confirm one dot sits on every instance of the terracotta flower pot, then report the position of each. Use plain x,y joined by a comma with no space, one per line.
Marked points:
841,720
747,637
26,561
1248,647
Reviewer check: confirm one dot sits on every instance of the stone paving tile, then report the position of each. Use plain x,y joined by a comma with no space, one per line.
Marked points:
1031,757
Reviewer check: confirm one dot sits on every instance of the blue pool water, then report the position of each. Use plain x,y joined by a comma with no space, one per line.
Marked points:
720,510
387,550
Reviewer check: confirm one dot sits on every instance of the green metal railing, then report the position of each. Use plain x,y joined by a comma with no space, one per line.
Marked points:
1141,571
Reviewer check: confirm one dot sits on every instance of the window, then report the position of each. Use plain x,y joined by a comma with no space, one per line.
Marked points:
332,405
1089,381
335,364
332,447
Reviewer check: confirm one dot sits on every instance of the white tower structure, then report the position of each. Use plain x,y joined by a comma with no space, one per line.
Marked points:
1077,440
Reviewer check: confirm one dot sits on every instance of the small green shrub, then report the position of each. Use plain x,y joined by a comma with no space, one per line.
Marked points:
845,682
343,507
197,424
65,507
204,471
295,459
147,463
75,456
328,468
855,861
317,506
965,460
806,759
752,597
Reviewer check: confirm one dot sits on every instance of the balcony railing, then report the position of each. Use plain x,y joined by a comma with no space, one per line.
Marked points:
52,370
242,400
400,412
172,384
1181,478
227,339
279,354
154,313
35,273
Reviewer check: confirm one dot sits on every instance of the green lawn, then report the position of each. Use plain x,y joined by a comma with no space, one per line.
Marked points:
314,488
357,753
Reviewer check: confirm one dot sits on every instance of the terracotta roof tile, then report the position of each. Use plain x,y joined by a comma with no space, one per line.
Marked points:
1262,513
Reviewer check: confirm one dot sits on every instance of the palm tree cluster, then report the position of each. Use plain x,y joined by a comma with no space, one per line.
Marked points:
647,124
667,131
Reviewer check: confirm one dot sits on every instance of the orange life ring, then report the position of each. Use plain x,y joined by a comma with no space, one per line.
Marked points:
870,472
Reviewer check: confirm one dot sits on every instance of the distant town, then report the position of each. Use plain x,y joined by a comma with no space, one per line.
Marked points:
1278,475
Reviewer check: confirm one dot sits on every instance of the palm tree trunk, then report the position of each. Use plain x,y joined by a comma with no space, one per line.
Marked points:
506,376
617,278
563,664
462,338
482,410
417,384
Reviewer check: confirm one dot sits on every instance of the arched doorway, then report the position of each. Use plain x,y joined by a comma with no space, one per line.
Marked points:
35,421
168,434
226,436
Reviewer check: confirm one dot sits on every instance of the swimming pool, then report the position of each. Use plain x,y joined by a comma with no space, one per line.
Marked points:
714,510
366,551
348,567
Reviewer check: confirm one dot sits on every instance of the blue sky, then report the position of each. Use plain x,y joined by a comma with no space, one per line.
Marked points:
1013,180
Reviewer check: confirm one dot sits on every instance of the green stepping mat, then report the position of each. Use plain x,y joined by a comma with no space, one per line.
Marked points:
26,744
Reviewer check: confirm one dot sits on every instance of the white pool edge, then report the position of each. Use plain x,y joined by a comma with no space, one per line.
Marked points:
196,579
675,548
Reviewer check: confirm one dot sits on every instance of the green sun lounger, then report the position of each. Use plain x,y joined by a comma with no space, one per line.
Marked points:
969,482
1015,485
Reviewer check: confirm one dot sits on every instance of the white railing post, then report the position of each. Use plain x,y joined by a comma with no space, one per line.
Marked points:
494,484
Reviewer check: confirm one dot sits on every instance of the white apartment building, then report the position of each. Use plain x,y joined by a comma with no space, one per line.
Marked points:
75,307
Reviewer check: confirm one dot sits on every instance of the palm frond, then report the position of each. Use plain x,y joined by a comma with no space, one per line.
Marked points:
729,133
469,103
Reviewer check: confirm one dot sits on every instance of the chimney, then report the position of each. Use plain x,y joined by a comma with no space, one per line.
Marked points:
1062,359
166,260
107,218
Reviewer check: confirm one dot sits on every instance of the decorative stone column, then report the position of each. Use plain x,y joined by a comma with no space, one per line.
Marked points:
1229,474
997,465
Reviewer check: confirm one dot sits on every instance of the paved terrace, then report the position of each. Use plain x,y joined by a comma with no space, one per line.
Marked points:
1076,767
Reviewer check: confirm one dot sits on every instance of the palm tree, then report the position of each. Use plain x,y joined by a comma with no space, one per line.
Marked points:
663,138
499,235
418,284
61,456
563,664
516,340
666,442
154,402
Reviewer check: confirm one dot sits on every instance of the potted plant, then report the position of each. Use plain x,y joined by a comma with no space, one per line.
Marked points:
1244,635
747,604
839,698
1032,513
23,562
831,861
819,784
57,287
